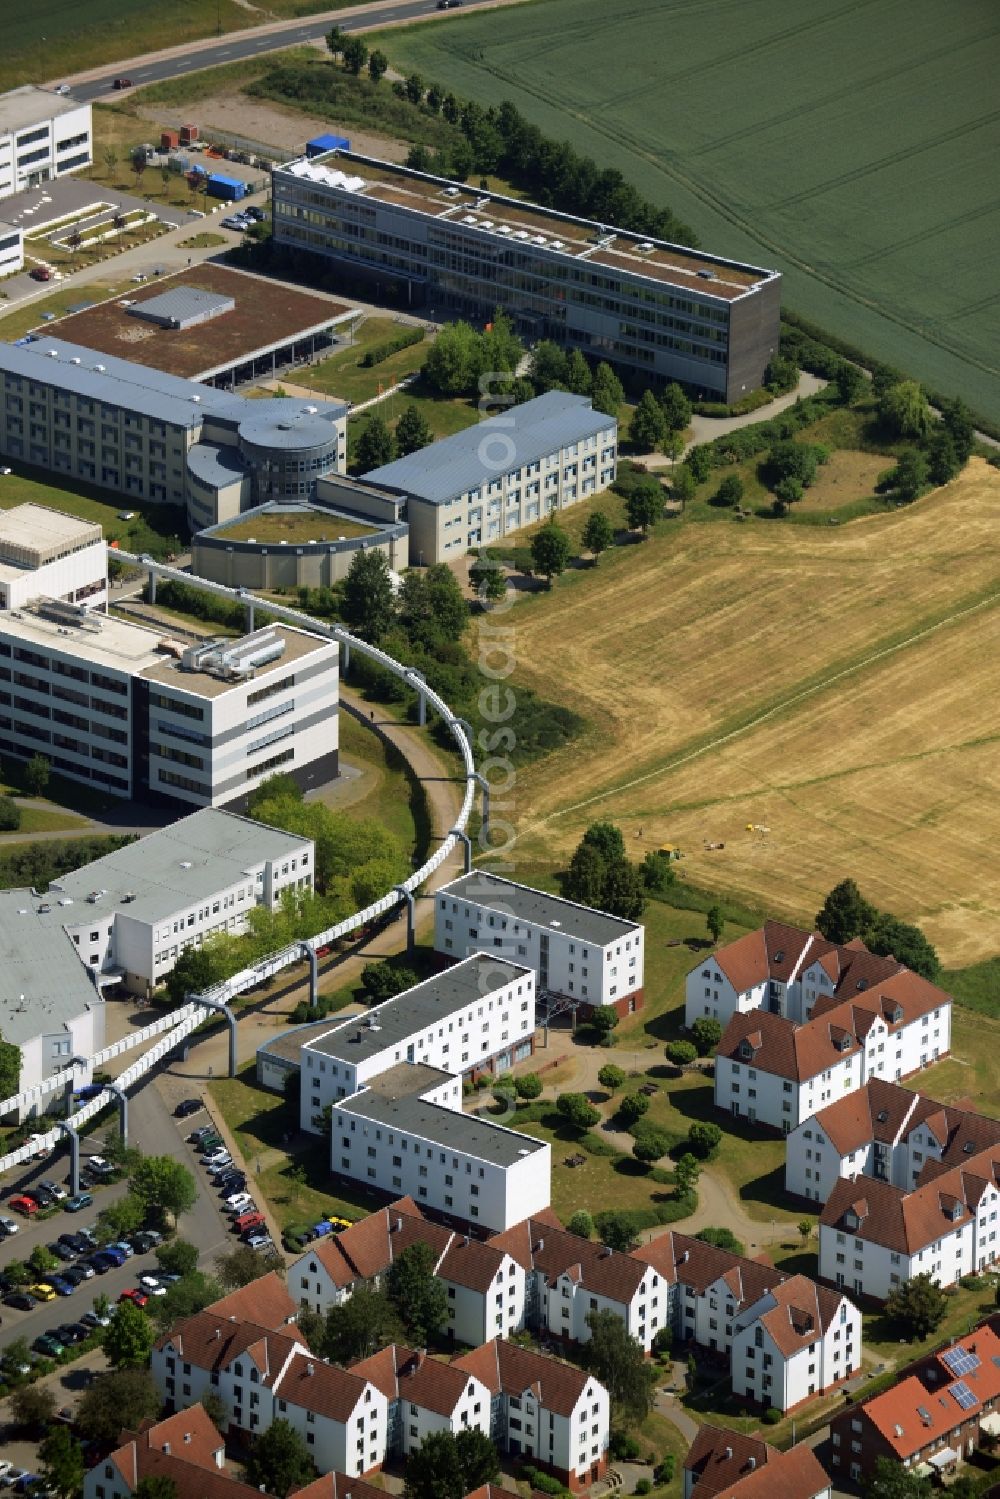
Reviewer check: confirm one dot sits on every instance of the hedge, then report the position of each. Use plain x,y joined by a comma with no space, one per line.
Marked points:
379,353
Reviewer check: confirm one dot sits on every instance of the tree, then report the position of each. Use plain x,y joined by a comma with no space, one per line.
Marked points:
607,394
33,1407
412,431
577,1110
909,477
805,1227
655,871
707,1034
419,1298
887,936
368,603
703,1139
681,1053
192,1293
598,534
123,1398
617,1231
242,1265
617,1360
42,1260
374,446
683,485
434,99
730,491
550,551
850,383
632,1107
686,1174
549,367
903,410
110,161
624,894
586,875
781,375
434,1470
382,981
581,1224
651,1143
196,970
722,1238
10,815
607,838
478,1457
156,1486
791,460
415,88
36,775
377,64
528,1086
844,914
62,1465
488,580
957,422
355,54
916,1307
699,461
177,1257
786,492
216,1409
942,456
121,1217
164,1185
335,39
279,1460
644,504
138,164
604,1021
453,361
715,921
578,377
649,425
676,408
611,1077
431,606
890,1480
129,1336
360,1326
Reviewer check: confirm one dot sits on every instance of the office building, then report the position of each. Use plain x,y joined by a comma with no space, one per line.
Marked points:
577,952
44,553
661,310
11,249
512,469
152,436
119,706
43,135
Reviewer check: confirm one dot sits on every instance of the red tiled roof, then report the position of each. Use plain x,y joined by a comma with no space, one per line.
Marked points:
906,1222
795,1474
313,1385
338,1486
920,1409
371,1245
718,1457
470,1262
405,1374
212,1342
542,1244
508,1368
265,1301
688,1261
182,1447
192,1481
803,1312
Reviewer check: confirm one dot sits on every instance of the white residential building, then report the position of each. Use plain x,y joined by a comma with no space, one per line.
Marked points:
478,1016
874,1236
116,705
131,913
576,951
341,1417
43,135
241,1361
774,1071
544,1411
43,552
885,1131
424,1396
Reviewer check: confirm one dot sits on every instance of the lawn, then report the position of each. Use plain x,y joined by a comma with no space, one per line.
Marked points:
343,374
27,315
444,416
847,147
830,684
49,820
154,527
295,526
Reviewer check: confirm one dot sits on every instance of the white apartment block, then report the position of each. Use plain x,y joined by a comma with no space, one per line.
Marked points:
118,705
787,1339
43,135
874,1236
884,1131
133,912
576,951
477,1016
774,1071
11,249
44,553
423,1396
508,471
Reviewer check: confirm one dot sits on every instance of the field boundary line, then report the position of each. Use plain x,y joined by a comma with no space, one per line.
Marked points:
774,711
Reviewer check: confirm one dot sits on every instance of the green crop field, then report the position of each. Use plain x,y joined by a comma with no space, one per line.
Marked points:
851,145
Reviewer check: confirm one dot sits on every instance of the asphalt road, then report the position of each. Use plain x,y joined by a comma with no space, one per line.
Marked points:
153,1128
233,50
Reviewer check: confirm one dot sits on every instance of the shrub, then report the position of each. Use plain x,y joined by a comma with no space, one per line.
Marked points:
543,1482
772,1416
681,1053
722,1238
577,1110
632,1107
581,1224
528,1086
10,815
611,1077
664,1473
703,1139
643,1487
707,1034
379,353
624,1448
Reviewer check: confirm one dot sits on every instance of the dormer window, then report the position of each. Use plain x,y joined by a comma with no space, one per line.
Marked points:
862,985
846,1043
851,1219
746,1051
882,1116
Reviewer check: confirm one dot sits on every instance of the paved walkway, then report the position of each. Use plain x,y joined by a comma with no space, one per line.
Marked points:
706,428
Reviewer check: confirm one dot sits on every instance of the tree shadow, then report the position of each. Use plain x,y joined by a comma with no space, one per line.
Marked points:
769,1189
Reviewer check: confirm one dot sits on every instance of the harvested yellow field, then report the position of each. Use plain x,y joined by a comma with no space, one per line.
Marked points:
836,687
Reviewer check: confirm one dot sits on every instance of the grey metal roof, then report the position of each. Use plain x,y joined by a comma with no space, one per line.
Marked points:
215,465
43,983
538,907
519,435
397,1019
393,1099
136,387
182,303
285,424
217,847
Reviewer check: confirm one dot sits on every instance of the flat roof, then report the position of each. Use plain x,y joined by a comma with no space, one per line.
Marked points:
29,105
277,522
539,908
530,224
43,983
298,643
165,871
266,315
435,999
180,303
31,535
468,459
393,1099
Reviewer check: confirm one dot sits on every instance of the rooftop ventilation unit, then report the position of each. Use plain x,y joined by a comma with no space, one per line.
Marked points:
61,612
468,218
558,244
482,202
707,275
521,234
645,246
234,661
452,192
100,368
75,359
52,353
539,239
503,229
486,223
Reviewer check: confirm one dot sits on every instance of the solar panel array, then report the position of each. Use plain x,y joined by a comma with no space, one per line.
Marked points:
964,1395
960,1360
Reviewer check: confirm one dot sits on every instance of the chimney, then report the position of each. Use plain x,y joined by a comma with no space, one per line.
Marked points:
683,1258
466,1241
218,1333
539,1246
606,1252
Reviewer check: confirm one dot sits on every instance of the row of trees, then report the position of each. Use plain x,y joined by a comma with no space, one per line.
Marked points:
377,445
846,914
601,874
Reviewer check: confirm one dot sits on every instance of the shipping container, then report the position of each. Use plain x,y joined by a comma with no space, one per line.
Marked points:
189,133
230,188
169,140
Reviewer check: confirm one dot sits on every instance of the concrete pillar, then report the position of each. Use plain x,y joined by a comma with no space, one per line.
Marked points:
122,1097
152,586
74,1157
345,652
422,710
484,787
68,1090
410,917
222,1008
309,953
466,846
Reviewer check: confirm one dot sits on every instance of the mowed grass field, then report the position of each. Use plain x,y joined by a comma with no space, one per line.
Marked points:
836,685
850,145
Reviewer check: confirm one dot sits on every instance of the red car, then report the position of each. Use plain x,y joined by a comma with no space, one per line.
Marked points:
139,1297
25,1205
40,273
123,83
248,1220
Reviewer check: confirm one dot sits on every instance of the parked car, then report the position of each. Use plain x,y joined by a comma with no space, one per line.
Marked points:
60,1284
197,1135
62,1251
170,1280
7,1225
87,1092
152,1285
100,1167
49,1345
77,1274
121,83
78,1203
145,1240
188,1105
102,1262
125,1247
59,1193
42,1291
239,1202
24,1204
248,1220
258,1241
21,1301
253,212
70,1333
219,1163
94,1320
77,1242
135,1295
40,273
